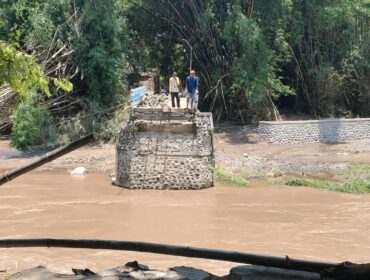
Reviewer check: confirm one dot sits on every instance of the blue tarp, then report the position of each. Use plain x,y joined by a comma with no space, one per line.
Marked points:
137,94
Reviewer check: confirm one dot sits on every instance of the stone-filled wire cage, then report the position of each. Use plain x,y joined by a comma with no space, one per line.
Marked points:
166,149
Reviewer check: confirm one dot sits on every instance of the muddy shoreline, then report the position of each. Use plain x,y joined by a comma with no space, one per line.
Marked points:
237,148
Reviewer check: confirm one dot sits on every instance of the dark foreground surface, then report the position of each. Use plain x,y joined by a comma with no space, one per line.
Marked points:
135,271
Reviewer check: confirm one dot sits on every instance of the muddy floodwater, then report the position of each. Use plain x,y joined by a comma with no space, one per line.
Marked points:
274,220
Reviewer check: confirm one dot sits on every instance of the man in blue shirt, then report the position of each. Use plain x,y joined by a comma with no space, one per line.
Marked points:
192,88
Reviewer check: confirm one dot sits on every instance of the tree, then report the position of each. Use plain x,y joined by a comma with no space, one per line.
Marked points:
20,71
237,66
99,49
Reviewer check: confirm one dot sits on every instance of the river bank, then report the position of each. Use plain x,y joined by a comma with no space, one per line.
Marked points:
238,149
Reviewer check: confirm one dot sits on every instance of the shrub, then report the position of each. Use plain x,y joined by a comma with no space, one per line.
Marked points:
30,124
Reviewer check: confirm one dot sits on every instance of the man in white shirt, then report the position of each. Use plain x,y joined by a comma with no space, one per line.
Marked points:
174,88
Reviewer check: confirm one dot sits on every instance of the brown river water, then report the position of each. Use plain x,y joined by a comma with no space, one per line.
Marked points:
264,219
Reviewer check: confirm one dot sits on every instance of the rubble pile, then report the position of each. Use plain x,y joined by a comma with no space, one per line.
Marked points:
154,100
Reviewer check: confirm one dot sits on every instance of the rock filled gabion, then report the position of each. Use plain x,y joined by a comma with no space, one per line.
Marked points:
315,131
162,149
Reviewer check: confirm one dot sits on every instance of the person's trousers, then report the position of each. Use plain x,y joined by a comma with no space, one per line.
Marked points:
175,95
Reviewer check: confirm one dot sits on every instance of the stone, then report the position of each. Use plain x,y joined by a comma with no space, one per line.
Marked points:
251,272
140,272
79,171
192,273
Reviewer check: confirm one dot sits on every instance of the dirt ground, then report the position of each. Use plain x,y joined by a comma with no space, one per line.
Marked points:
240,147
237,148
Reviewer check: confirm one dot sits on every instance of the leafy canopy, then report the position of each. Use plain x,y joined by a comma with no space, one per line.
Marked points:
21,71
23,74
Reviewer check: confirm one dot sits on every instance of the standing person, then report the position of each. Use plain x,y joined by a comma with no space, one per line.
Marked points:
192,88
173,87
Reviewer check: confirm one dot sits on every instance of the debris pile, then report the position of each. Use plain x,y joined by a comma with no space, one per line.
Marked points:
154,100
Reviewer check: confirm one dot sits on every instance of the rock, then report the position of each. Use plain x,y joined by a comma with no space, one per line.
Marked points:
79,171
193,273
274,173
278,173
245,155
37,273
135,271
85,271
251,272
347,270
124,272
134,265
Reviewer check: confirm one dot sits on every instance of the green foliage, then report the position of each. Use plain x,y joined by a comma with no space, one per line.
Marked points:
105,125
356,179
227,177
16,17
354,186
20,71
63,84
253,57
356,171
331,40
19,29
99,50
23,74
30,124
250,59
297,182
253,67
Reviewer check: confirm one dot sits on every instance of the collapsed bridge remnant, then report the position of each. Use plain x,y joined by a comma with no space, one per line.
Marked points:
163,148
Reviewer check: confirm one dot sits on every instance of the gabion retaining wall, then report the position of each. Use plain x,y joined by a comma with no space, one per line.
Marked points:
315,131
166,150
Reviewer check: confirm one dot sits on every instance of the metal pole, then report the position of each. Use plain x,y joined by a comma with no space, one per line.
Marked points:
191,52
191,58
174,250
10,175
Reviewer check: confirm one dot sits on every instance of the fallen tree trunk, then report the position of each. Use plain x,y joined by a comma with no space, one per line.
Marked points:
10,175
222,255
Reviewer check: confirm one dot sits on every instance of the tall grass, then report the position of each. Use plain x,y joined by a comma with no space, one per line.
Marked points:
228,177
356,179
